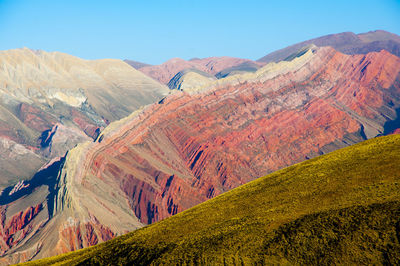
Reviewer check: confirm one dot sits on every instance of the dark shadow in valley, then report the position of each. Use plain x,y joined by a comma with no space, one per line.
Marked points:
392,125
47,177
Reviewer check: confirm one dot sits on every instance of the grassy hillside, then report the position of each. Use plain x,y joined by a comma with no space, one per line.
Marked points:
343,207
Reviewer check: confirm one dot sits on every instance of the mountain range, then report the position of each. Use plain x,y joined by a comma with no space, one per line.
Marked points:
346,42
110,148
216,66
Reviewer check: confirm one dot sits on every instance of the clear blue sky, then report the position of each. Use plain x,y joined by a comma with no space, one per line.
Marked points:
154,31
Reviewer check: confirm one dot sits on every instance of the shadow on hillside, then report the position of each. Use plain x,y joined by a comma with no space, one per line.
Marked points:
392,125
47,177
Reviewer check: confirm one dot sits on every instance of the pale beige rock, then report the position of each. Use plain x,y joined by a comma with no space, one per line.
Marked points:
31,76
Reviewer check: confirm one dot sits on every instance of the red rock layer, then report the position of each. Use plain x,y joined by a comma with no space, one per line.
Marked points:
85,124
193,147
16,227
76,235
41,120
35,118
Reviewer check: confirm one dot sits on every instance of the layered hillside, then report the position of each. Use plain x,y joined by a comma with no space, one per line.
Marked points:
238,69
346,42
225,135
339,208
211,65
193,146
190,78
49,102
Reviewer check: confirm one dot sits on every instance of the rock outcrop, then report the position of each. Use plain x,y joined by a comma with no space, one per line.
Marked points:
194,145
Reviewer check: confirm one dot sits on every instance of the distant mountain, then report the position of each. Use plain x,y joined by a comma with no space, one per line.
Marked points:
49,102
346,42
341,208
220,67
215,65
211,65
194,145
136,64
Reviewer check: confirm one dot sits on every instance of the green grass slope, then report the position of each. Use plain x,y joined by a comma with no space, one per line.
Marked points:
343,207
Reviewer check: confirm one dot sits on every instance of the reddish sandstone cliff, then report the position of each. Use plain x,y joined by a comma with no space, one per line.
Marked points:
195,146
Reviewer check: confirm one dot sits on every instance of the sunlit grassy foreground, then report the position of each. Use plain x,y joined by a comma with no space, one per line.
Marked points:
343,207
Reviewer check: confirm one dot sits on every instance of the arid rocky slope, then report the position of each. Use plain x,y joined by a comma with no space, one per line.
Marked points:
194,145
49,102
